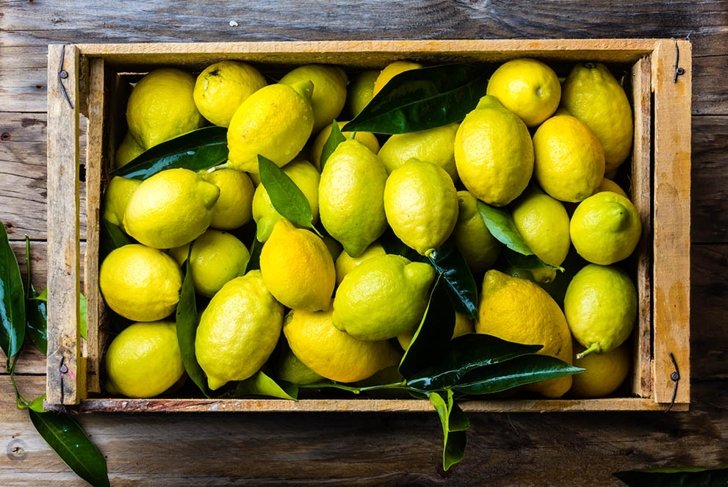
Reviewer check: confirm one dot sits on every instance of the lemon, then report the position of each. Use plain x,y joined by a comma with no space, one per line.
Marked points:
216,258
543,223
605,228
161,107
463,326
421,205
569,159
360,91
350,196
291,369
128,150
520,311
140,283
368,139
144,360
329,90
222,87
238,330
306,177
493,153
528,88
604,372
117,197
233,207
433,145
171,208
476,244
601,307
332,353
609,185
390,71
275,121
382,297
346,263
593,95
297,268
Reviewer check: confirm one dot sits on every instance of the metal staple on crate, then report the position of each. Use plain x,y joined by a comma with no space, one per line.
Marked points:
63,74
675,377
679,71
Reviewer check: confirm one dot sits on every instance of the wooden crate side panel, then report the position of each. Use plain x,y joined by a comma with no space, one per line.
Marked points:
671,245
64,371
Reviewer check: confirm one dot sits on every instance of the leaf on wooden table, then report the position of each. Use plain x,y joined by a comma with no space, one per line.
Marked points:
285,196
500,225
335,138
12,300
451,265
186,318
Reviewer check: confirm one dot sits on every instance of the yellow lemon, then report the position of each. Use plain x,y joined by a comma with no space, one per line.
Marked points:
434,145
390,71
216,258
161,107
140,283
306,177
463,326
360,91
238,330
543,223
520,311
382,297
350,196
605,228
332,353
171,208
368,139
222,87
593,95
346,263
601,308
569,158
128,150
609,185
421,205
234,206
493,153
329,90
275,122
297,268
291,369
144,360
117,197
528,88
604,373
476,244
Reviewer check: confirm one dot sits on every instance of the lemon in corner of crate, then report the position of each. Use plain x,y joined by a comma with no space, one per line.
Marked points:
603,374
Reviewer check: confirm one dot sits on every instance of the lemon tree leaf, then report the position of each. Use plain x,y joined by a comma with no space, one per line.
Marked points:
12,300
260,384
197,150
422,99
674,477
254,260
186,317
70,442
111,238
83,316
36,315
335,138
285,196
500,225
454,426
520,261
457,275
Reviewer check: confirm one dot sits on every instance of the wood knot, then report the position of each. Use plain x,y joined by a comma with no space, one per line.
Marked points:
5,136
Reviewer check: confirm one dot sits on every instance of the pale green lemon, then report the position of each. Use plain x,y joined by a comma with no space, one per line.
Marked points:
345,263
116,198
291,369
360,91
476,244
222,87
233,208
329,90
127,151
609,185
543,223
434,145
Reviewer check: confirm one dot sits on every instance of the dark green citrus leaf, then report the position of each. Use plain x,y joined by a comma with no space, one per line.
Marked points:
285,196
261,384
12,300
335,138
112,237
500,225
520,261
186,317
36,316
254,261
451,265
674,477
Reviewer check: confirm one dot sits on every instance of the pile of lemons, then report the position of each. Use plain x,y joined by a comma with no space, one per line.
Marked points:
338,306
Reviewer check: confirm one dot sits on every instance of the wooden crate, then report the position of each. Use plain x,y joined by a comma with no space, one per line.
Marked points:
86,81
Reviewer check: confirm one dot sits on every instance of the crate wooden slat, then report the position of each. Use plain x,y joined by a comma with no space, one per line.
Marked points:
660,184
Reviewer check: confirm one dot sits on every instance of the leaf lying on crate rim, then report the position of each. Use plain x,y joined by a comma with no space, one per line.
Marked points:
454,427
465,354
664,477
448,261
516,372
12,300
186,318
71,443
261,384
500,224
197,150
422,99
36,315
285,196
332,142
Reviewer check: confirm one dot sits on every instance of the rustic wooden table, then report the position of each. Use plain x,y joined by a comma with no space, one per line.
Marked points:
371,449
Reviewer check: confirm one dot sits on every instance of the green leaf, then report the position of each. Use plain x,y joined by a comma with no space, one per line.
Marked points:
261,384
41,296
112,237
36,404
454,426
36,315
70,441
254,261
83,316
285,196
674,477
500,225
435,329
335,138
422,99
465,354
196,150
186,317
12,300
520,261
458,277
516,372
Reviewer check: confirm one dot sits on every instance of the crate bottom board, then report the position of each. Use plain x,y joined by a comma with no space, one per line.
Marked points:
368,405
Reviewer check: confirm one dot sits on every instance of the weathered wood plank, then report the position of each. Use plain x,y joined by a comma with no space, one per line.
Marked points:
710,178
